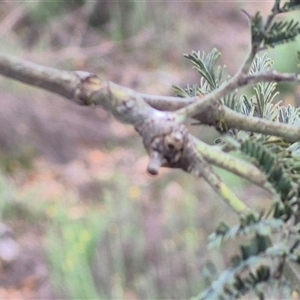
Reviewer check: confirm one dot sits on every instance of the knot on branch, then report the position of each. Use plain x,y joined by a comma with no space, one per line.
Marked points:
89,85
168,145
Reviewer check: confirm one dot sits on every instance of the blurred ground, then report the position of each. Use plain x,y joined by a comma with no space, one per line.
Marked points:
52,150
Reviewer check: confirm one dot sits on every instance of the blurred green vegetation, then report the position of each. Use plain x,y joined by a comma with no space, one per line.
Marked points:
119,19
41,12
19,158
6,194
106,252
119,246
285,60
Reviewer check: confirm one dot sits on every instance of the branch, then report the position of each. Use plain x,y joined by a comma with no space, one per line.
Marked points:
50,79
126,105
81,87
165,139
168,103
199,105
222,189
259,125
209,110
267,77
170,145
232,164
90,89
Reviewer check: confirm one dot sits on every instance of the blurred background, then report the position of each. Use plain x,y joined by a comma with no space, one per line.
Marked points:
79,216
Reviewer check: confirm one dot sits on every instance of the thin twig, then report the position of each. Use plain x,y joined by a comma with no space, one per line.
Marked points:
259,125
218,185
275,10
232,164
238,81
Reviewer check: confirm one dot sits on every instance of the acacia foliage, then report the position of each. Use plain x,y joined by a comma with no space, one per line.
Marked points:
271,239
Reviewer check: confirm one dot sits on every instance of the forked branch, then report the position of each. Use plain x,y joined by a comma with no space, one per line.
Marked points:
89,89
